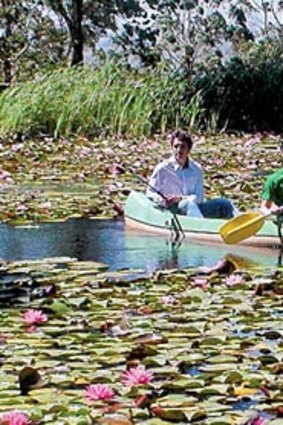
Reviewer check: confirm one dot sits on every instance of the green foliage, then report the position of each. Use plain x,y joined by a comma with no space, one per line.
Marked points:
111,99
246,94
87,20
186,33
198,88
243,94
29,39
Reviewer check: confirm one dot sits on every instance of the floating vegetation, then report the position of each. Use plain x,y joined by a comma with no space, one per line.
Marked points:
153,351
54,179
82,345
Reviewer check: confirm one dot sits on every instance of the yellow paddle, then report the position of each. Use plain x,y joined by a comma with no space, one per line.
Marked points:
242,227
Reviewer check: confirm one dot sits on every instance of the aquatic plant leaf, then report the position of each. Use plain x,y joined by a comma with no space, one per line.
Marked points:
234,377
212,341
47,396
176,400
196,378
171,414
59,308
115,420
245,391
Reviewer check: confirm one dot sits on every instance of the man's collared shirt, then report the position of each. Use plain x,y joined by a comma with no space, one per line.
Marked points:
170,178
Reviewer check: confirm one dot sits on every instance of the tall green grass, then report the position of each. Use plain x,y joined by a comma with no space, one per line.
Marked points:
89,101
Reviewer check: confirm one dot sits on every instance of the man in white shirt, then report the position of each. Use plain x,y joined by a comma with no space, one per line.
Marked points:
180,180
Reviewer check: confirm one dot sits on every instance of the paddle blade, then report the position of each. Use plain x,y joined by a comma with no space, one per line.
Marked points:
241,227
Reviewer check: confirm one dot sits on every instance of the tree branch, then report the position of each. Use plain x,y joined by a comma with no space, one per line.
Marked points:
58,7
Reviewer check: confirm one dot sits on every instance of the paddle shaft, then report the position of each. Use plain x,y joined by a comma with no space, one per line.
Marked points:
151,187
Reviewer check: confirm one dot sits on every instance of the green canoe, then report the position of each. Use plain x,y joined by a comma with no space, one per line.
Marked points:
143,214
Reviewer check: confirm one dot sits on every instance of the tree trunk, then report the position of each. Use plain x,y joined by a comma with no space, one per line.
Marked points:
7,71
77,38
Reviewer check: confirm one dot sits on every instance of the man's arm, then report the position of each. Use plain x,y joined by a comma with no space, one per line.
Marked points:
266,206
155,182
269,207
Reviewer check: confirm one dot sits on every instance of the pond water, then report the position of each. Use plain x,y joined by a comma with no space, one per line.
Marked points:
107,241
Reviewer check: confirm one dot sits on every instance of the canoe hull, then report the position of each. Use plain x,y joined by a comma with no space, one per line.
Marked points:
141,214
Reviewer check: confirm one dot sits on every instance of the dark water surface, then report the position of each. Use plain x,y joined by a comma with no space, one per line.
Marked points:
107,241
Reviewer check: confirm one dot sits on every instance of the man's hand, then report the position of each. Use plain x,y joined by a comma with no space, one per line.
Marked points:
277,211
172,200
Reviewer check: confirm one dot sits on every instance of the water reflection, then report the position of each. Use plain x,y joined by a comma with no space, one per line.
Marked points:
159,252
106,241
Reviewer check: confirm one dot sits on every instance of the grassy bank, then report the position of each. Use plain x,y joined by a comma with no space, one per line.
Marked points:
109,99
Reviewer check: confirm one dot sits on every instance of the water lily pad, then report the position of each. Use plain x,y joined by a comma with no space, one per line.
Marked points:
171,414
212,341
177,400
115,420
59,308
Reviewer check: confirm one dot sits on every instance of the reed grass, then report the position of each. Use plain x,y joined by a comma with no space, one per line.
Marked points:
89,101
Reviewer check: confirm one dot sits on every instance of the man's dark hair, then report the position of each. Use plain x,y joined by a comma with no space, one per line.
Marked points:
183,136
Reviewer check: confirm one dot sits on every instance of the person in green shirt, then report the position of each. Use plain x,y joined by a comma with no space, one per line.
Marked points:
272,194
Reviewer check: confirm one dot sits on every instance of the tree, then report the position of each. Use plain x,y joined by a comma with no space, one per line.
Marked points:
27,34
87,20
271,11
72,13
184,32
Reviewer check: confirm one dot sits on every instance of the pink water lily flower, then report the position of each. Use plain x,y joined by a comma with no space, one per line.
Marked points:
108,151
117,169
84,152
98,392
14,418
167,299
234,279
5,176
257,420
200,282
34,317
137,376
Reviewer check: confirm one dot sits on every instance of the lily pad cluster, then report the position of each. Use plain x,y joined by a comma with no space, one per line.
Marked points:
102,348
50,179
